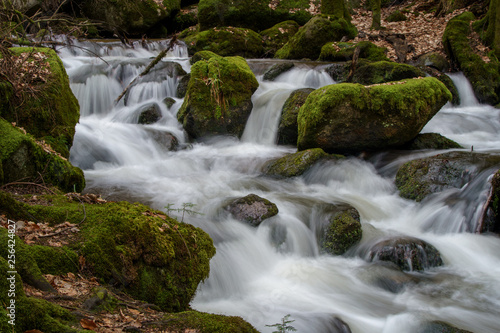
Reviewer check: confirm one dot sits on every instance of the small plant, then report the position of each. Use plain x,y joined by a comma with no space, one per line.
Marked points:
283,326
186,208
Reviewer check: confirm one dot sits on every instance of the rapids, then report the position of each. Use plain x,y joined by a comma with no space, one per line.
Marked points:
265,273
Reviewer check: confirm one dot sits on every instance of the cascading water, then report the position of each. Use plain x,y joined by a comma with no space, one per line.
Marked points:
265,273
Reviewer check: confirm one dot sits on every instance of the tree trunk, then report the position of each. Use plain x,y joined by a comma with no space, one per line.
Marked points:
376,18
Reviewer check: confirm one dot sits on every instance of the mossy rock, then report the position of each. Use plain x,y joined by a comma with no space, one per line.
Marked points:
276,70
277,36
226,41
346,117
484,77
377,72
435,60
396,16
151,256
30,313
255,15
202,55
23,158
135,18
432,141
343,51
408,253
307,42
296,164
53,112
339,72
419,178
288,127
342,232
194,321
101,300
218,99
252,209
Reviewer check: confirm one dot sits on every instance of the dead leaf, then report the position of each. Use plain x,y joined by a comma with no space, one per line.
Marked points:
88,324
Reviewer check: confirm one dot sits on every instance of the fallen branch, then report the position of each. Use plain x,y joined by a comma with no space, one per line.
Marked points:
148,69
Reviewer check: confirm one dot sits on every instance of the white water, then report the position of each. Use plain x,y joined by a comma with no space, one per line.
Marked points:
254,275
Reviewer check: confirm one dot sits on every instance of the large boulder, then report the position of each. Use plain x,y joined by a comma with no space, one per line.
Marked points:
431,141
132,17
408,253
484,77
351,117
218,99
23,157
367,72
343,51
288,127
48,110
226,41
293,165
277,36
255,15
342,231
419,178
307,42
251,209
151,256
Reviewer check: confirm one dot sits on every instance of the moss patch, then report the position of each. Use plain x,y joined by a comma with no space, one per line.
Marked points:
205,323
384,71
343,231
341,51
277,36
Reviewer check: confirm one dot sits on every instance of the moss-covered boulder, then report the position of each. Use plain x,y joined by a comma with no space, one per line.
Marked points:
384,71
132,17
421,177
251,209
408,253
218,99
484,77
22,157
227,41
342,231
288,127
435,60
343,51
194,321
255,15
307,42
150,255
20,313
349,117
431,141
276,70
296,164
52,111
277,36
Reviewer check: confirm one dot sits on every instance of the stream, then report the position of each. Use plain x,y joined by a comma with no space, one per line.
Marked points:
265,273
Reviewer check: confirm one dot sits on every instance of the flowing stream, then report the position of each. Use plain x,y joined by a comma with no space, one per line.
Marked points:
265,273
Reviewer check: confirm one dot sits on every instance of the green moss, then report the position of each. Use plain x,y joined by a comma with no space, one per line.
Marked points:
288,128
218,99
226,41
484,77
22,158
343,231
277,36
307,42
54,110
342,51
154,257
205,323
55,260
396,16
384,71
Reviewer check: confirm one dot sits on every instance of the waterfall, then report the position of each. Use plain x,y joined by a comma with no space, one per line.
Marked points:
265,273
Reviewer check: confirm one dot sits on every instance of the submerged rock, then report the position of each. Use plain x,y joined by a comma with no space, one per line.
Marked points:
149,114
351,118
342,232
218,99
252,209
165,139
307,42
288,131
293,165
408,253
276,70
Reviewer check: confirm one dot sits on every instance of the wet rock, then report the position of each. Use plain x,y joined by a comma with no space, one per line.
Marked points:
342,232
162,71
419,178
183,85
165,139
347,118
431,141
440,327
339,72
288,127
276,70
169,101
408,253
293,165
435,60
252,209
149,114
490,217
